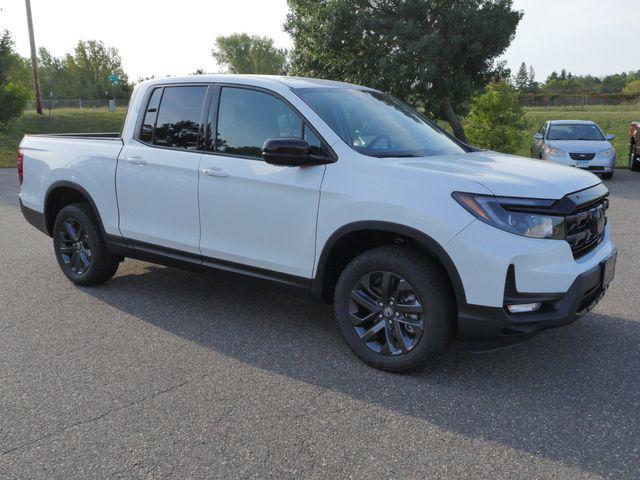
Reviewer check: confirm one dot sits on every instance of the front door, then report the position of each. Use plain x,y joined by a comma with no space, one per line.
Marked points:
251,212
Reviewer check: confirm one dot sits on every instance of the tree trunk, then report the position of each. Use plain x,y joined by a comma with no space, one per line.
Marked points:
452,119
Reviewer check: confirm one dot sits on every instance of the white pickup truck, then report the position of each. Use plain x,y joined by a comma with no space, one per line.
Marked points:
338,192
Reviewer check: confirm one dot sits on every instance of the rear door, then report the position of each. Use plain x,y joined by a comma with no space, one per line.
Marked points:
157,180
251,212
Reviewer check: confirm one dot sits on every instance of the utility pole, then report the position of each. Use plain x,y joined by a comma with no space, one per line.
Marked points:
34,60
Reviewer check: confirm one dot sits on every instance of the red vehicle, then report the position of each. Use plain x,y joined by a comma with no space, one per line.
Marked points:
634,146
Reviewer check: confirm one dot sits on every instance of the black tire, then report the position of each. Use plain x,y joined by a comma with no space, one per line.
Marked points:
433,294
82,257
634,159
607,176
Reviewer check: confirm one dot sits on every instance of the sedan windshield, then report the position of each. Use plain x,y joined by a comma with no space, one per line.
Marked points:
376,124
568,131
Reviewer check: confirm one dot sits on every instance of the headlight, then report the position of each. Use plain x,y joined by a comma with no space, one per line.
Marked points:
554,152
499,212
608,153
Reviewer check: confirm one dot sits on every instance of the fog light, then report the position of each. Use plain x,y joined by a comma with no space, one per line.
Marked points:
524,307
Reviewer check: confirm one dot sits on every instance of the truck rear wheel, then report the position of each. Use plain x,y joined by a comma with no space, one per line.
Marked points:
395,308
80,248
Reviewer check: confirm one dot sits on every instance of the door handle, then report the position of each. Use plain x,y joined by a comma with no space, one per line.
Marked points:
136,160
214,172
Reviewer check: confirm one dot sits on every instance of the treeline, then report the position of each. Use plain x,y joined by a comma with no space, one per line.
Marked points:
566,83
83,73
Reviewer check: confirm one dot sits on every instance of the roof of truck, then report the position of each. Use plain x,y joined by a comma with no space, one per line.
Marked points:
293,82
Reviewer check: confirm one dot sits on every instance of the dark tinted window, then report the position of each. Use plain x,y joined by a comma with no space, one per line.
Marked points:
179,117
247,118
315,145
149,122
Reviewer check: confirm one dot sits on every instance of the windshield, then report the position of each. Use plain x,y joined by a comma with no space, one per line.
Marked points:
376,124
566,131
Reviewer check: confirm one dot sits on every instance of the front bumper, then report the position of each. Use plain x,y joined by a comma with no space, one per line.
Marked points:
483,328
597,165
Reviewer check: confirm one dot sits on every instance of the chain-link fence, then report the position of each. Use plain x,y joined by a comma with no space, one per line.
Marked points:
79,103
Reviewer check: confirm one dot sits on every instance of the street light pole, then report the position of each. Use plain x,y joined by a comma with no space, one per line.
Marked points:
34,59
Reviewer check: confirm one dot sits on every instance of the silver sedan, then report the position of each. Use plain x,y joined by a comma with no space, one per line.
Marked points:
576,143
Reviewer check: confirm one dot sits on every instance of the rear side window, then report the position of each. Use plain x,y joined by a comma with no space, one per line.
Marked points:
246,118
149,122
179,117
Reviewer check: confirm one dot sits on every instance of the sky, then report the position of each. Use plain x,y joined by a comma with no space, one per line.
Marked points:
159,38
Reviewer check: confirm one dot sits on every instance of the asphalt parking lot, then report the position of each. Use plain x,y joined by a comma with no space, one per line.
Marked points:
162,373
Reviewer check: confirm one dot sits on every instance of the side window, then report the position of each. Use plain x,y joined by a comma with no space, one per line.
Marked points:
149,122
246,118
543,130
179,114
315,145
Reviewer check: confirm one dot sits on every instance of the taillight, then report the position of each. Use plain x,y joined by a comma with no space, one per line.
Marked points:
20,163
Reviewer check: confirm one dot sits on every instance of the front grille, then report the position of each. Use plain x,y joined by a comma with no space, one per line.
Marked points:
585,227
582,156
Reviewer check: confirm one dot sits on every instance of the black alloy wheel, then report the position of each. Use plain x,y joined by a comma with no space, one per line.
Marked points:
75,246
387,313
80,248
395,308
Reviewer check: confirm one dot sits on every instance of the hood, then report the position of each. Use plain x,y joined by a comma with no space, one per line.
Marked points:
579,146
508,175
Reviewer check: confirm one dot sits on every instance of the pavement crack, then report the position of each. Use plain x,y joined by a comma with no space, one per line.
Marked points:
98,417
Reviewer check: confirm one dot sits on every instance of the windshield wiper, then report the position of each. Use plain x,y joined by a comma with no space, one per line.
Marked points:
394,155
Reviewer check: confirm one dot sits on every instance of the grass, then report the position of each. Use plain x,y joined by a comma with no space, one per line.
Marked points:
612,119
62,121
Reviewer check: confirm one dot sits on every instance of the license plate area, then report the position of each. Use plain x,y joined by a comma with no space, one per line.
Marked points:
608,271
582,164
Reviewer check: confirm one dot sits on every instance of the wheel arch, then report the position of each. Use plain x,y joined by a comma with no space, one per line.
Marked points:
338,251
63,193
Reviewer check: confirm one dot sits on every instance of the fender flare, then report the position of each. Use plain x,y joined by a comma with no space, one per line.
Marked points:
77,188
422,239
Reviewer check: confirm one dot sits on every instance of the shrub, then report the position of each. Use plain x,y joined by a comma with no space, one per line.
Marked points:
496,119
13,95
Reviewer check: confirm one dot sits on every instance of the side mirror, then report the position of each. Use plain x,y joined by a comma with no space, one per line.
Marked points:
290,152
538,136
610,136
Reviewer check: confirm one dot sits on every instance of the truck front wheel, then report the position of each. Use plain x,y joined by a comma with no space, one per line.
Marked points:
79,246
395,308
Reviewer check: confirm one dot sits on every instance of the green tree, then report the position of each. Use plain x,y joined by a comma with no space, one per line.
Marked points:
501,73
521,80
632,88
89,68
241,53
496,119
533,85
14,94
83,73
433,54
